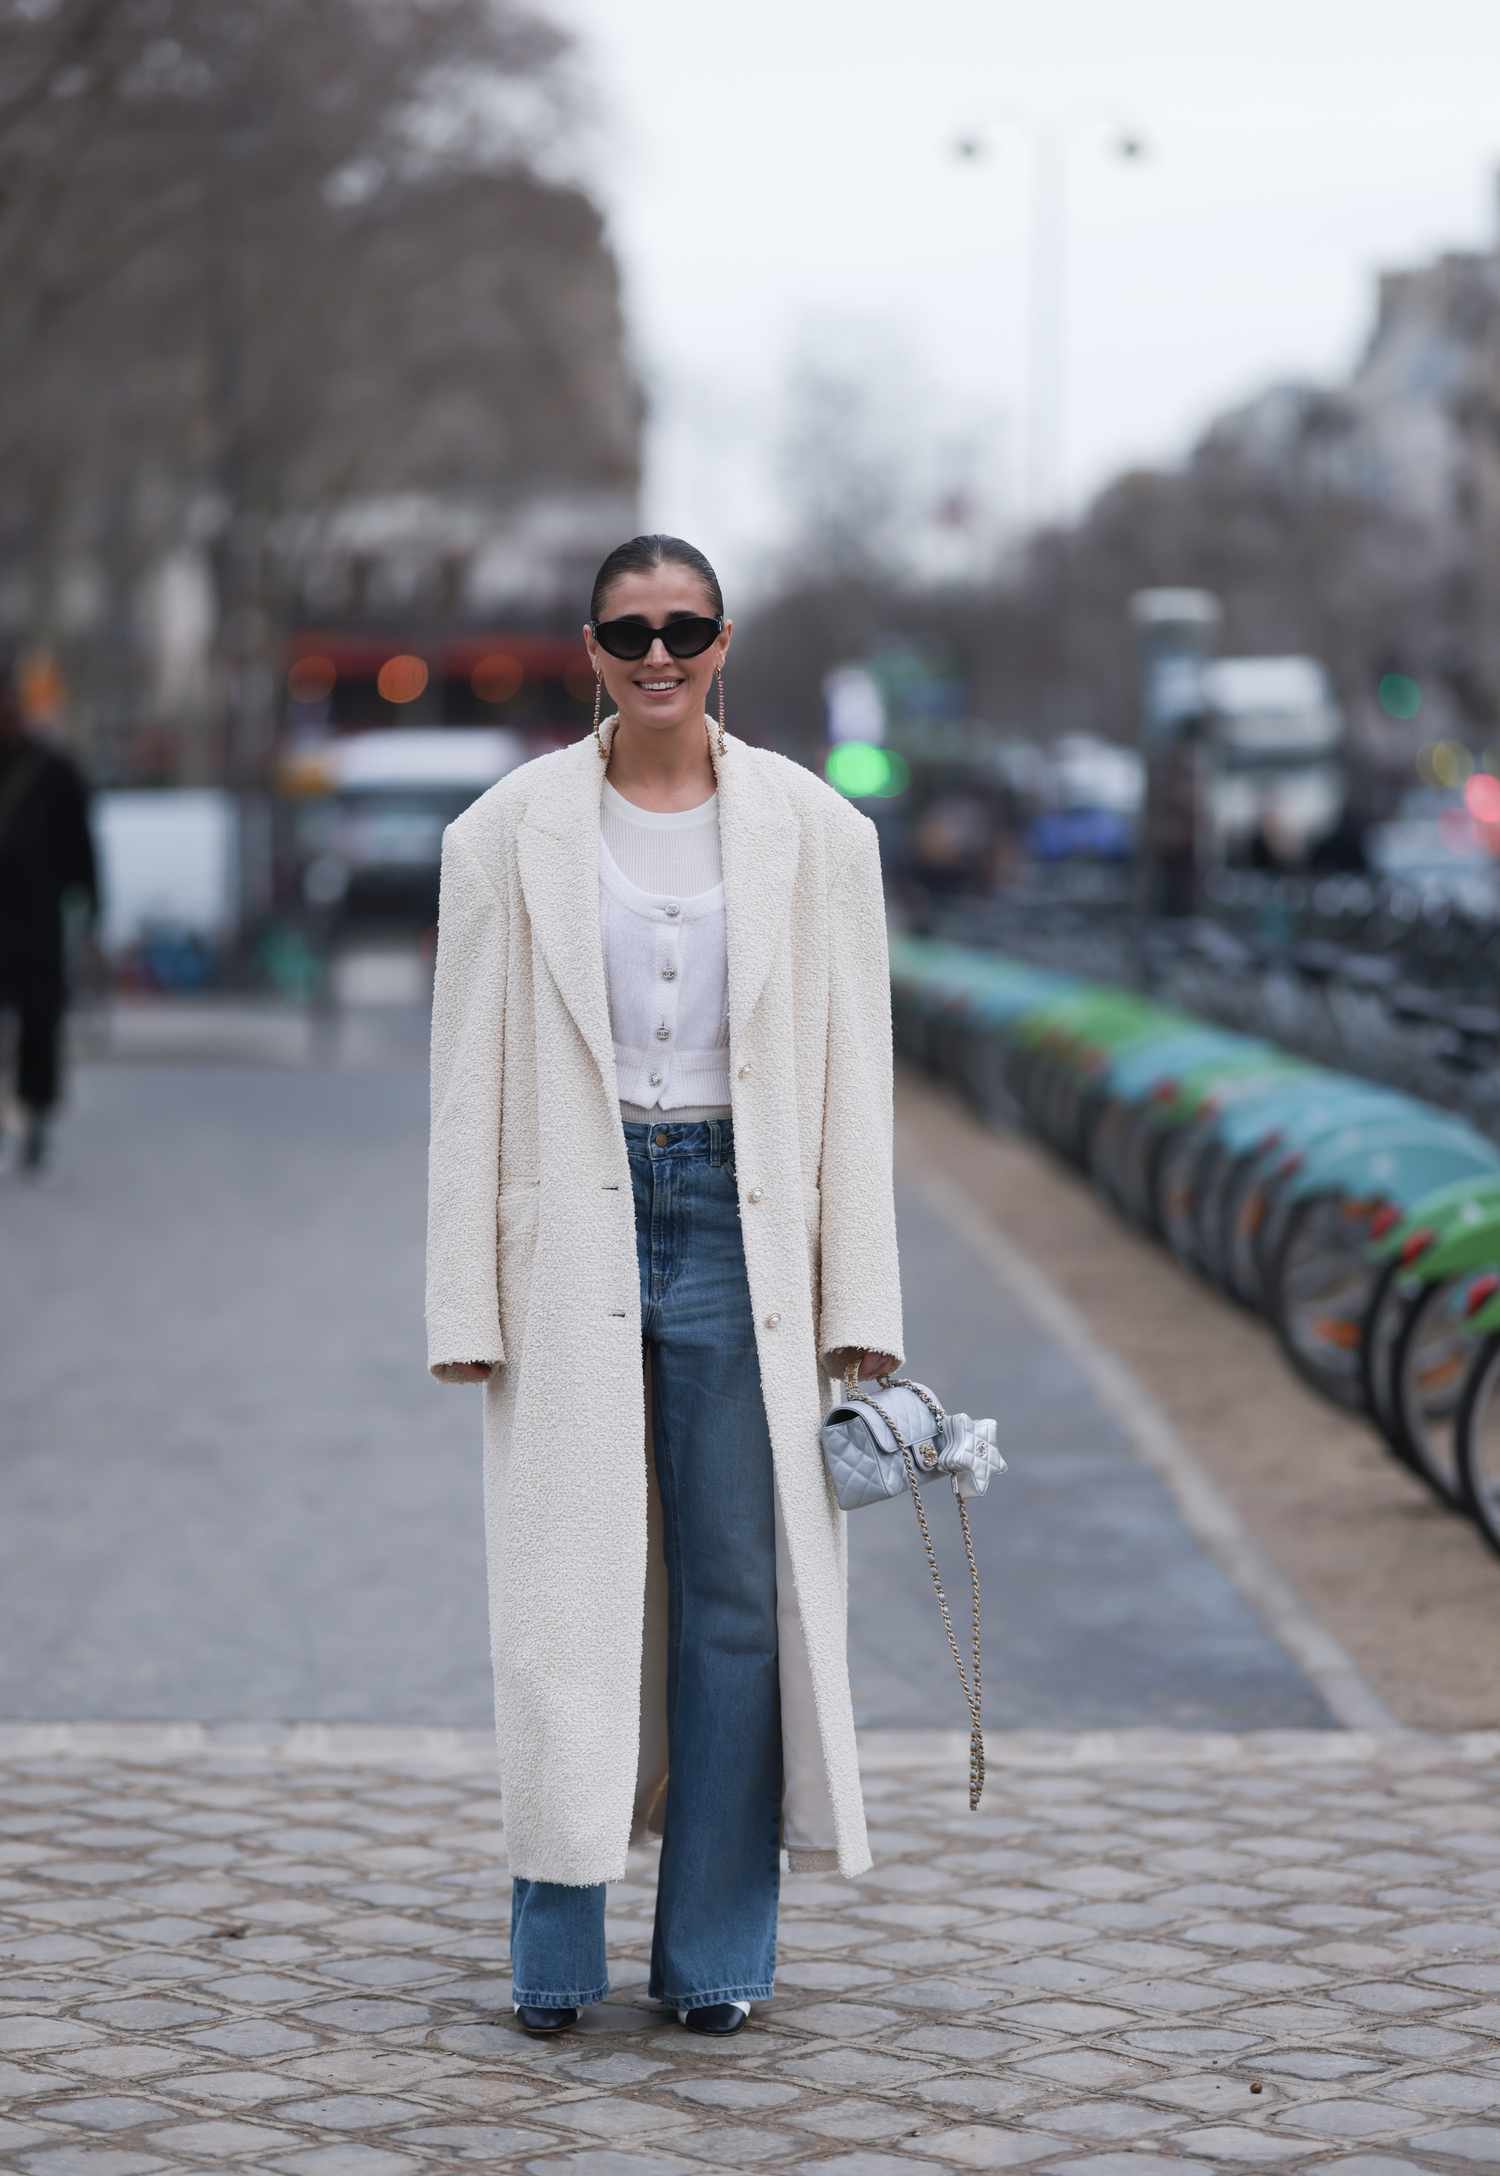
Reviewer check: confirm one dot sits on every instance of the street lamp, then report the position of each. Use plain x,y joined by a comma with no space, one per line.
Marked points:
1047,287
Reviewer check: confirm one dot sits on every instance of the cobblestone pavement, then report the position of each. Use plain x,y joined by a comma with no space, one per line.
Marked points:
1148,1952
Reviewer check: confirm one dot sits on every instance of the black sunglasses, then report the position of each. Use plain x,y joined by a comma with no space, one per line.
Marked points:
631,638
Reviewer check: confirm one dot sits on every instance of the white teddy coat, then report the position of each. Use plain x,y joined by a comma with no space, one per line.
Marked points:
531,1267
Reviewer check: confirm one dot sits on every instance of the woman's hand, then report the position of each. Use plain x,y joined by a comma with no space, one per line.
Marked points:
870,1363
466,1371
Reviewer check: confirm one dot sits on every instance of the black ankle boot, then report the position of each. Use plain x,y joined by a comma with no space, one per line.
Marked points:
532,2017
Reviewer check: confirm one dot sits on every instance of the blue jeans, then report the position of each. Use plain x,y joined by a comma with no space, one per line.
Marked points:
719,1881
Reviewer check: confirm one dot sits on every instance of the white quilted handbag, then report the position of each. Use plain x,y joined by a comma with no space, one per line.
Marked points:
873,1442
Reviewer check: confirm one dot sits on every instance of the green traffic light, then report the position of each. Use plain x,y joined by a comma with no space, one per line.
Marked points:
858,768
1399,696
862,770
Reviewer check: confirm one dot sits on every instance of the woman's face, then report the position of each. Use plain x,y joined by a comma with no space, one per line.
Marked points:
631,684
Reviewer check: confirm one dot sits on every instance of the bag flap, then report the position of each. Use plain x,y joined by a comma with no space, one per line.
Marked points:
903,1406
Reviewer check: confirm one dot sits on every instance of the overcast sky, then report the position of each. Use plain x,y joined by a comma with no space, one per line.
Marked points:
781,172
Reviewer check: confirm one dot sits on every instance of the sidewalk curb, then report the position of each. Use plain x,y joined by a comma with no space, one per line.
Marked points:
1207,1512
882,1752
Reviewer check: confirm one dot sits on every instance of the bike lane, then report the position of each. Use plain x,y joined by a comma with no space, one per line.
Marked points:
1103,1609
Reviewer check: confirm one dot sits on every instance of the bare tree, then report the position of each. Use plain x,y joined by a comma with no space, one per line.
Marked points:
264,257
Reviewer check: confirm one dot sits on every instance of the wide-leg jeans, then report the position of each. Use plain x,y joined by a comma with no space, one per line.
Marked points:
714,1936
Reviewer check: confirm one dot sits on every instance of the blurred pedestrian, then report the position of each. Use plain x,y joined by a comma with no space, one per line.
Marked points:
1173,822
660,1224
46,854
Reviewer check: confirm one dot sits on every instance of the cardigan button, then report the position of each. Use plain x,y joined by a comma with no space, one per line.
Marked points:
668,974
757,1193
772,1319
655,1079
663,1032
671,908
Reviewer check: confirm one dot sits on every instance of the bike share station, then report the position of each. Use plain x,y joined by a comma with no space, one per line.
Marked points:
1292,1092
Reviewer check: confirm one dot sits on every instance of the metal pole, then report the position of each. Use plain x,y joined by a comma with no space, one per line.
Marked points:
1046,329
1047,300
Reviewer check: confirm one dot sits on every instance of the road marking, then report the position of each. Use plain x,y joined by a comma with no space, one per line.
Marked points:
1208,1513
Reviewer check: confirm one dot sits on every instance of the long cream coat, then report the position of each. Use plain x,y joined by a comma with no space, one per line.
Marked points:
531,1266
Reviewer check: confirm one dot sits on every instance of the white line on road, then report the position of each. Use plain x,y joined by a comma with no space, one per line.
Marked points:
1207,1512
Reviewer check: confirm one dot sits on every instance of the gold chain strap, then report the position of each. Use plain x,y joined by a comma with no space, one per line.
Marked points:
972,1692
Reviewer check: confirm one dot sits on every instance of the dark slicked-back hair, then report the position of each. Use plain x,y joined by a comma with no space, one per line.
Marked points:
641,555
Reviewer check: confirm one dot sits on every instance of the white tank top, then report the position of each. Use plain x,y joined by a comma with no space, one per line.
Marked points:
662,927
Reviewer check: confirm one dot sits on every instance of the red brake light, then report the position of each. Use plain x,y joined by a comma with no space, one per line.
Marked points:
1482,1289
1385,1217
1416,1243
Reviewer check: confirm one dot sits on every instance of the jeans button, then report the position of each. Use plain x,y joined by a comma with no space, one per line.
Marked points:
661,1139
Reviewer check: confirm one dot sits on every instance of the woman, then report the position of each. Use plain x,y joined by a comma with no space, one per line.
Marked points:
660,1219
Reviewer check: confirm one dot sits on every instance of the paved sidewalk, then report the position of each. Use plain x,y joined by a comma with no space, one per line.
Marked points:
272,1511
285,1951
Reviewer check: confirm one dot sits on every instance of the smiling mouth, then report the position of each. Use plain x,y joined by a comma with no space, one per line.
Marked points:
658,687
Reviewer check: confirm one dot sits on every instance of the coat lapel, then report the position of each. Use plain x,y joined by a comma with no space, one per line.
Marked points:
558,861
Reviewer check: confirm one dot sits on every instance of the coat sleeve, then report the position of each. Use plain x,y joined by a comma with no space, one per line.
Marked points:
74,865
463,1158
860,1275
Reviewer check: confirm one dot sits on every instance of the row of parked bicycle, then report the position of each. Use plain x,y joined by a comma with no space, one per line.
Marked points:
1361,1221
1374,980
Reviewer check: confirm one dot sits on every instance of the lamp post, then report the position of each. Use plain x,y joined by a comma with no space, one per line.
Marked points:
1047,289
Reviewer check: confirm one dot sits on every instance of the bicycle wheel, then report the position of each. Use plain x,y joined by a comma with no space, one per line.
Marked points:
1221,1216
1428,1370
1140,1137
1176,1179
1250,1201
1317,1293
1104,1149
1203,1209
1479,1441
1392,1298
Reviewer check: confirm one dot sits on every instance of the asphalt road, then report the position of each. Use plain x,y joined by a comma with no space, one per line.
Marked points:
233,1493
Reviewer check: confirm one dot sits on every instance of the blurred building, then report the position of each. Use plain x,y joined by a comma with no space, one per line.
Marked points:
1401,430
1415,434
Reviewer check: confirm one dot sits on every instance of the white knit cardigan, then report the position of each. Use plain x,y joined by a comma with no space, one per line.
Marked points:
662,930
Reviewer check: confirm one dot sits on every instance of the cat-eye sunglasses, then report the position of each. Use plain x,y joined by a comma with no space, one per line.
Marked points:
630,637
